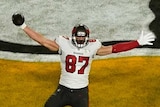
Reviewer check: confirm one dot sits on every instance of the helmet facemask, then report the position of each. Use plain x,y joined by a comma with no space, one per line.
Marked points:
80,36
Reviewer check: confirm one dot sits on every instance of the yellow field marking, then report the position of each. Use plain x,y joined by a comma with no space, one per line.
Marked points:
114,82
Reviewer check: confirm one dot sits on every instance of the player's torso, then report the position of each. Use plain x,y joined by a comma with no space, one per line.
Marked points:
75,63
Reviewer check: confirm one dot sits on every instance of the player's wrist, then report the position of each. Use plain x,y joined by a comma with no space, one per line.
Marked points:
23,26
139,42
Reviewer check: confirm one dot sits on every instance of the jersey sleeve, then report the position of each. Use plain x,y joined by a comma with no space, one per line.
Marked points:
58,41
96,46
62,41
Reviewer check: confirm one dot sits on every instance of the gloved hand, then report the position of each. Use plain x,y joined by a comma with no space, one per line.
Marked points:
19,20
146,39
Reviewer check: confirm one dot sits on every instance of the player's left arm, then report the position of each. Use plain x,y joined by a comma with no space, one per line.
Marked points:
125,46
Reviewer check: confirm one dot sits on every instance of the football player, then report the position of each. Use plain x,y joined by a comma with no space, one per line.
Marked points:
76,54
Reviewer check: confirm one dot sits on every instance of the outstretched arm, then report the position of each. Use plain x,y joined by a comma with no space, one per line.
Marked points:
19,20
125,46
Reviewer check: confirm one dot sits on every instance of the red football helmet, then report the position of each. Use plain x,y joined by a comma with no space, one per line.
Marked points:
80,35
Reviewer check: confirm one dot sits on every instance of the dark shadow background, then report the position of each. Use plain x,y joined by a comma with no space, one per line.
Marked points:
154,26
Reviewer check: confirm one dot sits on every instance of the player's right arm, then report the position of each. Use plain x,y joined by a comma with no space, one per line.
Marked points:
18,20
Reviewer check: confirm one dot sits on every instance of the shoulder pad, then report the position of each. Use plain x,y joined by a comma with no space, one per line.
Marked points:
92,40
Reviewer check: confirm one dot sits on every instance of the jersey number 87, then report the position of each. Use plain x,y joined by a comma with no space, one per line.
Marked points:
71,63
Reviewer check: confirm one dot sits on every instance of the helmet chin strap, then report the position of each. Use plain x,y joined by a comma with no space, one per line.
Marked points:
80,45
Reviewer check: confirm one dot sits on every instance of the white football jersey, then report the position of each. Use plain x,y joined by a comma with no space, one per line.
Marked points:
75,62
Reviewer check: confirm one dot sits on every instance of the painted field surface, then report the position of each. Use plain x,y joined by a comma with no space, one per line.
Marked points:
114,82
